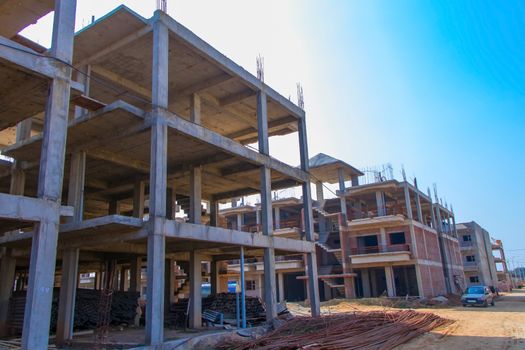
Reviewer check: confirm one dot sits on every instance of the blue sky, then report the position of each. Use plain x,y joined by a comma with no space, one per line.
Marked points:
438,86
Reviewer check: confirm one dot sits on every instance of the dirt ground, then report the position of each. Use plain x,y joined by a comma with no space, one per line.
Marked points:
493,328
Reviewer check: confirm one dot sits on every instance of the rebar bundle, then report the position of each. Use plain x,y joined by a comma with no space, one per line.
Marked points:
374,330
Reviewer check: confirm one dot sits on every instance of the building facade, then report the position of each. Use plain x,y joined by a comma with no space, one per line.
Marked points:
476,254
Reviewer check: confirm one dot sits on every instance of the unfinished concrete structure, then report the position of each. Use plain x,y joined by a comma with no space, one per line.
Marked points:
476,252
502,271
383,237
154,121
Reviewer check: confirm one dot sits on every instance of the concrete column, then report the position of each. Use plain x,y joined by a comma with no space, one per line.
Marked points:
365,281
432,213
195,290
135,273
277,214
214,213
373,283
75,196
214,276
382,239
66,303
320,218
390,285
311,258
270,298
138,199
158,184
169,287
35,334
408,203
7,271
342,189
380,202
239,222
355,180
114,208
195,109
195,195
280,275
418,207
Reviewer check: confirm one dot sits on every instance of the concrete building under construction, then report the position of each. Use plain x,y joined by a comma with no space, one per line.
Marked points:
107,137
379,237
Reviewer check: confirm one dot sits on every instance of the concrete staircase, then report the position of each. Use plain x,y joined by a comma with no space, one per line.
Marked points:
337,252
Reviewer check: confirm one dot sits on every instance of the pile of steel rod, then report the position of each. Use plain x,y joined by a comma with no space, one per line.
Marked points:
360,330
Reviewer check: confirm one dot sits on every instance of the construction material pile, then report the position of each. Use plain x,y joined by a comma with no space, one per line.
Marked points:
224,303
123,308
374,330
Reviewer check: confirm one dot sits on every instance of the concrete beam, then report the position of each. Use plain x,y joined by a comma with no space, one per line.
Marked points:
220,235
227,145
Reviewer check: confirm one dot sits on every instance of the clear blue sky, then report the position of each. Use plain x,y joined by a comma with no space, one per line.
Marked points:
438,86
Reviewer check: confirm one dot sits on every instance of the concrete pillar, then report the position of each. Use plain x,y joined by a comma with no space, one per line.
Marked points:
122,279
169,287
135,273
258,218
35,334
365,281
114,207
195,195
382,240
138,199
214,213
380,202
390,285
277,214
355,180
266,209
373,283
195,109
158,184
418,207
239,222
320,218
280,275
311,258
7,271
342,189
214,276
195,290
66,304
408,202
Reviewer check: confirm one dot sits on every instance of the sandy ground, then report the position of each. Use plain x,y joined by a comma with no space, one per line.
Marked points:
492,328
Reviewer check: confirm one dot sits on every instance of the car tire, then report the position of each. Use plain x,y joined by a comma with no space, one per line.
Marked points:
485,304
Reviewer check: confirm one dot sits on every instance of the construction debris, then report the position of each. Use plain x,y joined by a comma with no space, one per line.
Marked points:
86,309
376,330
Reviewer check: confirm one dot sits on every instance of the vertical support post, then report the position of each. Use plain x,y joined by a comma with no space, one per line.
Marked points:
322,220
390,285
214,213
135,273
243,291
380,202
342,196
280,282
195,290
311,257
239,222
365,281
68,287
270,298
277,214
138,199
214,277
195,195
35,334
355,180
7,271
418,206
195,109
158,185
169,287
